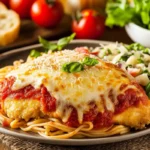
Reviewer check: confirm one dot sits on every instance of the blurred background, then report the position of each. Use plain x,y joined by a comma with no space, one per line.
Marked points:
23,21
73,5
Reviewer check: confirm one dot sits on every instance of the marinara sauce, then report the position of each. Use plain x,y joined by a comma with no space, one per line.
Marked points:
48,102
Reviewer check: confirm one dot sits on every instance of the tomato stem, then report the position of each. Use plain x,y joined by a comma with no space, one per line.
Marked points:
50,2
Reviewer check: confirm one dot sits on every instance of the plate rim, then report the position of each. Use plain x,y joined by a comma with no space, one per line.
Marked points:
39,45
69,142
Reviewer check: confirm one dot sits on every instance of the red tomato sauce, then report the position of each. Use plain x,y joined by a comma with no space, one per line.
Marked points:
28,92
99,120
48,103
131,97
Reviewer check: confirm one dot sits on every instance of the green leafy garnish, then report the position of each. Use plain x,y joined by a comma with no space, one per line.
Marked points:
56,46
64,41
52,46
135,46
138,47
35,53
47,45
121,12
90,61
147,89
72,67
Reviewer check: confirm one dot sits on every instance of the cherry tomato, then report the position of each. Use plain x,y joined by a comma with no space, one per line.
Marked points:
47,14
22,7
90,25
82,50
6,2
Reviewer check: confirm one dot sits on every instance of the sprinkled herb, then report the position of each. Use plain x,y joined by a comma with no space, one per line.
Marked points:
79,66
35,53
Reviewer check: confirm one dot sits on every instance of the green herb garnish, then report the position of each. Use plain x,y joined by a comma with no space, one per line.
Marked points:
135,46
90,61
52,46
35,53
47,45
56,46
64,41
72,67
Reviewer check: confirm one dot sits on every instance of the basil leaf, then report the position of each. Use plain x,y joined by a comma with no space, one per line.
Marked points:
58,46
64,41
47,45
90,61
35,53
72,67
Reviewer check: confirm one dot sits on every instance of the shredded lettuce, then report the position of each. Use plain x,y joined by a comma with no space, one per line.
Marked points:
121,12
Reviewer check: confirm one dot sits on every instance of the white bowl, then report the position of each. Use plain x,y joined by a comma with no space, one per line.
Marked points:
138,34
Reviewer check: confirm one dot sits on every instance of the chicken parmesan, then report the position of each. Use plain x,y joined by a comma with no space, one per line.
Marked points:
98,99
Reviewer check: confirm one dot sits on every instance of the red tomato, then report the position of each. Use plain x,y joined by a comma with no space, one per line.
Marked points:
6,2
91,25
82,50
22,7
47,14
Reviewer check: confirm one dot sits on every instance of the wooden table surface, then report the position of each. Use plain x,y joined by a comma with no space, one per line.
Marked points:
115,34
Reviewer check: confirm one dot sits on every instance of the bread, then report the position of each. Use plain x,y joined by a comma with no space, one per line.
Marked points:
2,7
9,25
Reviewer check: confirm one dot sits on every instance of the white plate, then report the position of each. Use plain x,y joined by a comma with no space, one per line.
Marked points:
8,58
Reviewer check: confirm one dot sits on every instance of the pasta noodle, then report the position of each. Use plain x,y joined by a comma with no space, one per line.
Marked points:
52,128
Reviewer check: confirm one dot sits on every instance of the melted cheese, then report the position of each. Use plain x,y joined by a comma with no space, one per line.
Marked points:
76,89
